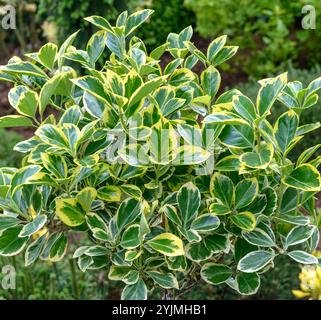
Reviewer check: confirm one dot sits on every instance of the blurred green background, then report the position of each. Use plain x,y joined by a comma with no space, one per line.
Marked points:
271,40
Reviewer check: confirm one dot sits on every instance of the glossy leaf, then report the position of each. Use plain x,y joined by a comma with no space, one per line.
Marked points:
215,273
167,244
189,200
305,177
255,261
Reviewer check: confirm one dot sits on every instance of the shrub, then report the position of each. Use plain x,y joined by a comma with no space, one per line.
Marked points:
171,183
67,15
269,31
170,16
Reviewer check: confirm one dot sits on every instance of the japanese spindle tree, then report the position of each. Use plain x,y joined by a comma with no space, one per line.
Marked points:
171,183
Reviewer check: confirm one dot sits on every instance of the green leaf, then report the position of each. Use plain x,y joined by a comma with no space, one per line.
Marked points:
79,56
96,45
296,220
192,135
165,280
34,226
306,128
84,262
47,55
298,235
239,136
177,263
53,135
15,121
116,44
215,46
23,176
285,129
244,220
70,212
159,51
244,107
123,273
140,93
303,257
245,192
10,242
167,244
96,251
205,223
33,251
307,154
93,86
58,248
260,159
172,106
190,155
15,93
23,68
219,209
7,222
171,213
55,164
314,86
98,226
222,188
229,163
94,106
259,237
213,273
132,190
52,238
269,92
132,255
189,200
140,133
210,80
100,22
197,251
137,291
27,103
192,48
135,155
181,77
131,237
247,283
109,193
127,213
224,54
66,44
59,84
216,243
136,19
255,261
7,77
224,117
304,177
86,197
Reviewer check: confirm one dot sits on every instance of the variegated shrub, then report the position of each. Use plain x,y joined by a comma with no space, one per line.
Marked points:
170,181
